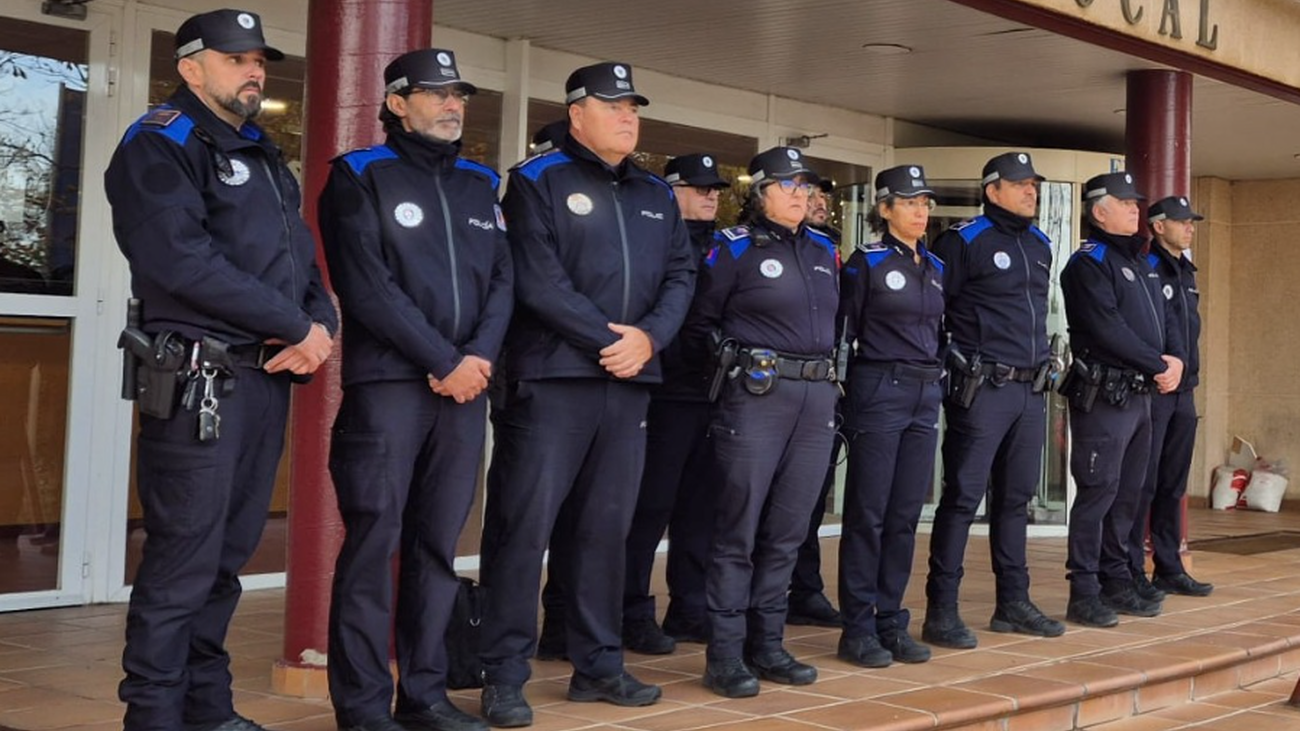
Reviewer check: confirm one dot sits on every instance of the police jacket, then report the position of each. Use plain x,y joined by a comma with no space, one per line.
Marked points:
1116,311
686,374
208,218
418,256
997,269
1178,285
768,287
892,306
592,245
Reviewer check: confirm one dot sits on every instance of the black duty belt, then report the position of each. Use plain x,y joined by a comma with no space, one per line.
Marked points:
902,371
998,373
798,369
254,355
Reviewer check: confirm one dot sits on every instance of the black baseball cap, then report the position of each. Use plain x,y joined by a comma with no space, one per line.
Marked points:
1174,208
780,163
609,81
227,31
427,68
1013,166
699,170
1115,185
549,137
904,181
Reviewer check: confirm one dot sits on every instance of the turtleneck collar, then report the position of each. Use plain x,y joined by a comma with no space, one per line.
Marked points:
1130,245
421,149
777,231
1006,220
699,229
578,151
889,239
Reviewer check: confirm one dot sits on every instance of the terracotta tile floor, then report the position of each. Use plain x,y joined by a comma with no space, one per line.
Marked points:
59,667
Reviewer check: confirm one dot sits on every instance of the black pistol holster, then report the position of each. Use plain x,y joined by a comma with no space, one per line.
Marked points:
1081,384
964,377
725,351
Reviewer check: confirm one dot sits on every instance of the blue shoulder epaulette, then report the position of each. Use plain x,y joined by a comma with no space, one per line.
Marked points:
1154,260
491,174
875,251
972,228
1036,231
359,159
935,260
824,239
1094,249
735,238
165,120
533,167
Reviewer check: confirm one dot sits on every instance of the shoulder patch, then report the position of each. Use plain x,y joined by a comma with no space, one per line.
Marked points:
1038,232
165,120
161,117
872,246
972,228
358,160
1154,260
736,239
1094,249
463,164
533,167
735,233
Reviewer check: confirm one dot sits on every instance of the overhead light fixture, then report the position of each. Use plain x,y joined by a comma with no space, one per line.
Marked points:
800,142
72,9
275,106
886,49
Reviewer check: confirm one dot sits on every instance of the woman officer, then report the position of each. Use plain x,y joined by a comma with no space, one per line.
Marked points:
892,302
768,294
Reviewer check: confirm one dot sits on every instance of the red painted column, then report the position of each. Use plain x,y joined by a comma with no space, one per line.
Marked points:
348,44
1158,147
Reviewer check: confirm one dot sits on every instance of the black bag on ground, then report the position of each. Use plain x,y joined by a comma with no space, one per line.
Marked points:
463,667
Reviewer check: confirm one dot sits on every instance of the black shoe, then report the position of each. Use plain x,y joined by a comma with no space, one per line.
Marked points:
1145,589
621,690
1023,617
235,723
683,630
1090,612
943,627
1119,596
504,706
552,643
780,666
904,649
440,717
730,678
645,637
865,651
379,723
813,609
1183,585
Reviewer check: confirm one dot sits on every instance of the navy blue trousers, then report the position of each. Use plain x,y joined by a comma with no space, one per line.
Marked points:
995,447
1108,458
807,577
580,443
204,506
405,465
894,423
1173,438
771,454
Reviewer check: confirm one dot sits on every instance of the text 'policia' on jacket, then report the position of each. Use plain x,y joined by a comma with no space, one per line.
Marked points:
417,252
997,270
1178,285
212,250
592,245
1116,311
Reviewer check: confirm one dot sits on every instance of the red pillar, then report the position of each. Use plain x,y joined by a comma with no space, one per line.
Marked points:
348,44
1158,146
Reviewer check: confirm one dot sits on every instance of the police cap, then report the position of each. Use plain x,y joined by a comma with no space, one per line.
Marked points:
427,68
780,163
698,170
1115,185
904,181
227,31
549,137
1012,166
608,81
1174,208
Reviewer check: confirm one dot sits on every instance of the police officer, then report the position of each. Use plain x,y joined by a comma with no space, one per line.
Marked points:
676,486
206,212
1125,342
418,255
1173,415
604,274
997,271
767,294
892,303
549,137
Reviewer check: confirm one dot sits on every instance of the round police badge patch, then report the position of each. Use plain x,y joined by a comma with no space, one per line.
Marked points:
408,214
245,21
238,174
1023,158
914,172
1001,260
620,72
706,161
579,203
1128,178
1169,291
444,58
792,154
1182,201
895,280
771,268
1128,274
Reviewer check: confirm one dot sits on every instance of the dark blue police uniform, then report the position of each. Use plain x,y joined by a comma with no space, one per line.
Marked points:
417,253
593,244
207,216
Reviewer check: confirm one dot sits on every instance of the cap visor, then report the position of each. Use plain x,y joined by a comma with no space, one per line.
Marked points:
640,100
812,177
1018,178
272,53
913,192
706,181
468,87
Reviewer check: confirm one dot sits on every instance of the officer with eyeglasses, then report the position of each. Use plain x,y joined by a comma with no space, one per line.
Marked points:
417,252
892,305
765,309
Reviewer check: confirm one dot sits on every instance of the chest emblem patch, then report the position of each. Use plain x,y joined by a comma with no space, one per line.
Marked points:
501,219
238,175
895,280
1001,260
771,268
1128,274
408,214
579,204
1169,291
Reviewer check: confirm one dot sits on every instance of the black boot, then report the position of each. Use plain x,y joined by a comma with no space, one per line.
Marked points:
504,706
864,651
621,690
645,637
813,609
943,627
730,678
1145,589
904,649
1090,612
780,666
1025,618
1119,596
1183,585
